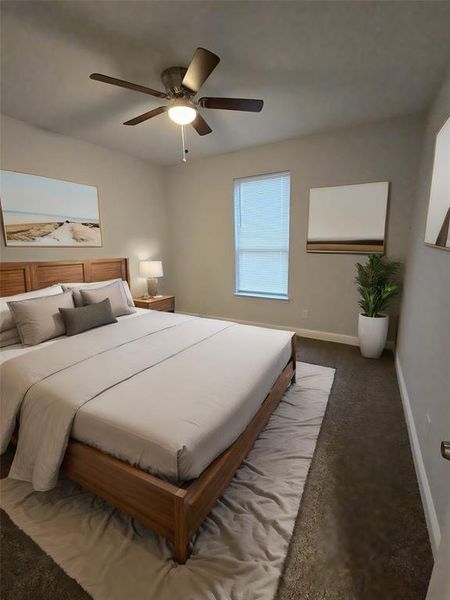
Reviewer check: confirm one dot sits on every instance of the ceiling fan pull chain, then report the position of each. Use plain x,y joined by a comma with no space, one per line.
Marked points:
183,143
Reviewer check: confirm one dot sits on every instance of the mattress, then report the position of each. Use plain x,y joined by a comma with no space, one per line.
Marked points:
164,392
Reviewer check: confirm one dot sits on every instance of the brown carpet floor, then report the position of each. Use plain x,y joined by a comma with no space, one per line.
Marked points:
360,532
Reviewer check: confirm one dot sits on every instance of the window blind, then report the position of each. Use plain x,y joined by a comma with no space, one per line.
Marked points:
261,216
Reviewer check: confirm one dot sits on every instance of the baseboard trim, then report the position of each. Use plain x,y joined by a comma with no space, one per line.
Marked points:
434,531
315,334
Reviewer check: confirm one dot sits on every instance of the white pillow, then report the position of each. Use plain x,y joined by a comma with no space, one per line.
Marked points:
75,287
6,318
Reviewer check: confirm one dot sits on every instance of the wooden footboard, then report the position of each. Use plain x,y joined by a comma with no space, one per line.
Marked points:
171,511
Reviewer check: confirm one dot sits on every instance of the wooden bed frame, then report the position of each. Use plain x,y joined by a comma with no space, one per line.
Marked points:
172,511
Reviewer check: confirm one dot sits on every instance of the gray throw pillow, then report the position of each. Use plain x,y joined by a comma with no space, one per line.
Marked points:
38,320
87,317
114,292
6,318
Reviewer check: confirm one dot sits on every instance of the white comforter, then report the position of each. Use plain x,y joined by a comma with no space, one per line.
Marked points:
162,391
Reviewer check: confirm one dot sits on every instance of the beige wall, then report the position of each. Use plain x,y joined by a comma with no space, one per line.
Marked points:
424,337
200,203
130,192
140,204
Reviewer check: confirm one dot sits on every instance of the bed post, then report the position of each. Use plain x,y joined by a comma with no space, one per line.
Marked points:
294,356
181,539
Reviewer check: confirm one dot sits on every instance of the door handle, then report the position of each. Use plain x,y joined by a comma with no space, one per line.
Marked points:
445,450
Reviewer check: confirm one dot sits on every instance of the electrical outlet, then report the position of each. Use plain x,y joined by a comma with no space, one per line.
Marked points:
305,313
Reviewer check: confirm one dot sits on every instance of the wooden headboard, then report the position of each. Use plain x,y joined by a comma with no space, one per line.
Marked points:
19,277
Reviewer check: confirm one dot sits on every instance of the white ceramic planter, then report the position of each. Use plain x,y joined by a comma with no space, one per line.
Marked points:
372,333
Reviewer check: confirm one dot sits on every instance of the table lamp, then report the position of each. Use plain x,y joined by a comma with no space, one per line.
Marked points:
151,270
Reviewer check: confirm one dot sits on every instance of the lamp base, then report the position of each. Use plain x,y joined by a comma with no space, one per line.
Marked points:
152,286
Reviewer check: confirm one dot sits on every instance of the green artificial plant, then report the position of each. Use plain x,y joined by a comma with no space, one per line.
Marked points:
376,284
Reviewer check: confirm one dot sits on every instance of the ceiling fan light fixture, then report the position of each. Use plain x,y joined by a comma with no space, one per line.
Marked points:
181,114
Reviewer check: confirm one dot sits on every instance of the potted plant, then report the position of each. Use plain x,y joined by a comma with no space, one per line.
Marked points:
377,286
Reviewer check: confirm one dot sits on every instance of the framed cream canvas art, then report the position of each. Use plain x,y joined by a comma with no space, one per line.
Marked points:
437,231
348,219
41,211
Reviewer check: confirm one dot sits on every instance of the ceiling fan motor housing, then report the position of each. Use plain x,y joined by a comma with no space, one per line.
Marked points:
172,78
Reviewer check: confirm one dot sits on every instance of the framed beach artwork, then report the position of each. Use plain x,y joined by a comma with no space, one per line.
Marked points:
437,231
40,211
349,219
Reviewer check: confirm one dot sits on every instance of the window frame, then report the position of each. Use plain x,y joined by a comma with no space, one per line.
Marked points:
250,293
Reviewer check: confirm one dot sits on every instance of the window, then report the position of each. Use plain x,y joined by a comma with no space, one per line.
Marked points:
261,220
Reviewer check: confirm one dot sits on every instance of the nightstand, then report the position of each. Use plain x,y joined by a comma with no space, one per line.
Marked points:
165,303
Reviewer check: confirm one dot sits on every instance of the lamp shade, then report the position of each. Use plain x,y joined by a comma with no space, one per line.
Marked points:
151,268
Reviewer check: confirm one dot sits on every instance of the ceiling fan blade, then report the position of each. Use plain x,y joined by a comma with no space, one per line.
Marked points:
148,115
200,125
127,85
200,68
246,104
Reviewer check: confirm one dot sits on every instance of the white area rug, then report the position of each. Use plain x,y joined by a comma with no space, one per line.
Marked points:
239,551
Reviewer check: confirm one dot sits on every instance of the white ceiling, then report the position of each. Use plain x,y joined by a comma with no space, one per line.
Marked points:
317,66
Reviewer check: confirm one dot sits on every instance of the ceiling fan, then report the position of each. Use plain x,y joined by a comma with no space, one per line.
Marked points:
182,85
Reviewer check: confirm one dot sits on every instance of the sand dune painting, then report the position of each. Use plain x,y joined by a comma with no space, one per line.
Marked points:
40,211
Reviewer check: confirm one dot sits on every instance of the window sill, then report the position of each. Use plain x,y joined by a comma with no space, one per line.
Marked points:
264,296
